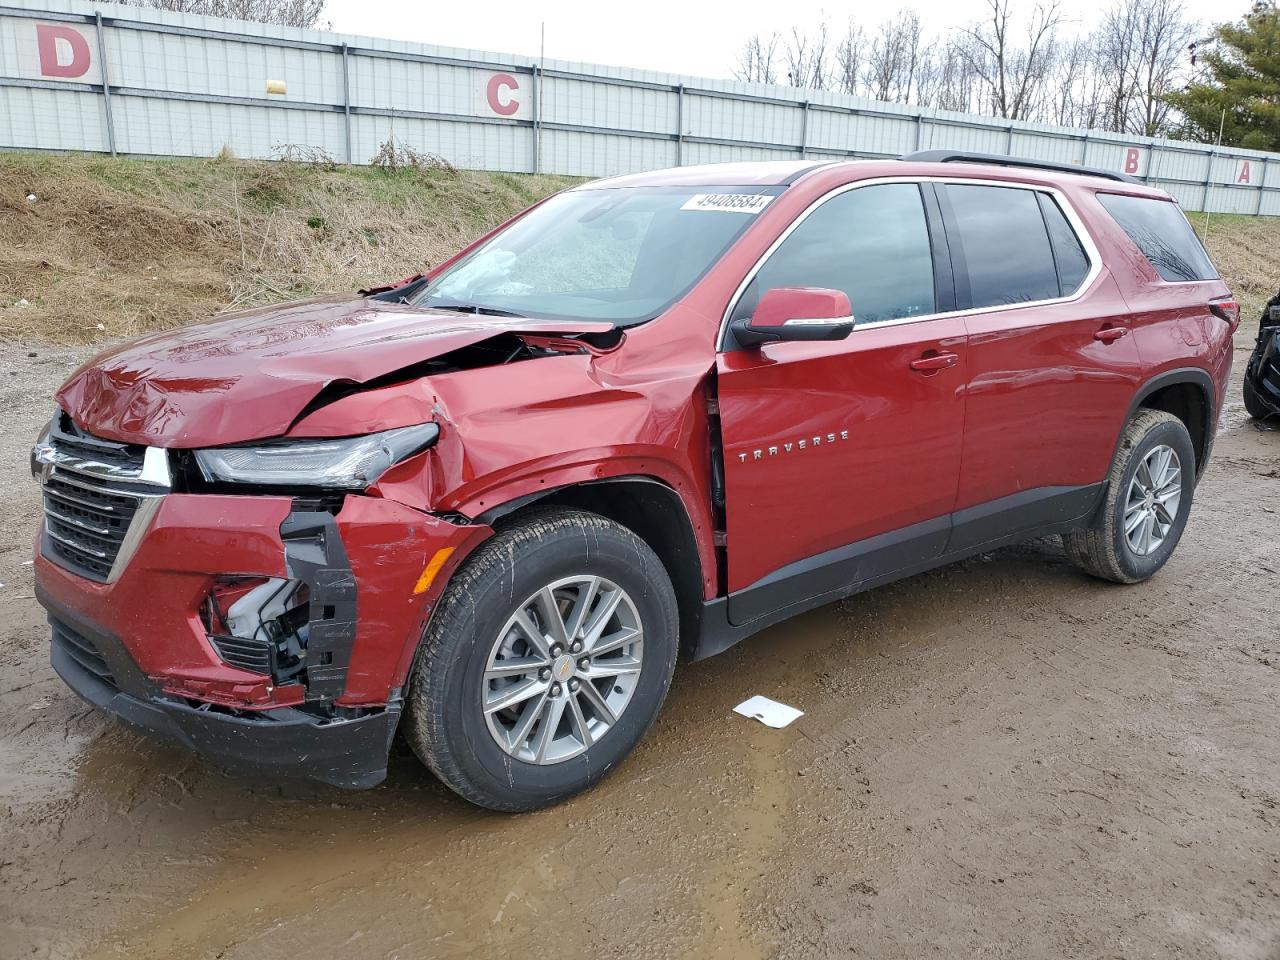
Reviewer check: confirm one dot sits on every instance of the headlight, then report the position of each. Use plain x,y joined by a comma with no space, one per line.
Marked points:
41,452
351,463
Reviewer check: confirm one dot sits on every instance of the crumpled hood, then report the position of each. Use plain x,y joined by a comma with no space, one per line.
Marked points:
247,376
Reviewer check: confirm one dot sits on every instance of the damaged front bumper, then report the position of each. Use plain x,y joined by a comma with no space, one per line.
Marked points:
281,742
138,642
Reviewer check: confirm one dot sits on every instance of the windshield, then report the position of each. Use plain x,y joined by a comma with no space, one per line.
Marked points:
622,255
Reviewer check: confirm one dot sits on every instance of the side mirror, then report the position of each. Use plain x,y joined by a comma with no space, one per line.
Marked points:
796,313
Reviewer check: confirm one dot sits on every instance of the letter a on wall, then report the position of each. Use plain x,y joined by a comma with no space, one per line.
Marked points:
1244,173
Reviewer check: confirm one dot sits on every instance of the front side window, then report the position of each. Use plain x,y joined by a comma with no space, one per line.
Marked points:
1006,245
871,242
1163,235
620,254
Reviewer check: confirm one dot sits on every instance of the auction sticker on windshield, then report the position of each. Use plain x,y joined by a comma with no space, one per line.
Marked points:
730,202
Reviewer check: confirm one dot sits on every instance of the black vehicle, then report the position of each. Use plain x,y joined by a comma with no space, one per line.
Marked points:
1262,375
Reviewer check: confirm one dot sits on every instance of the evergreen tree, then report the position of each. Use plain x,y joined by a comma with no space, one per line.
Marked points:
1243,78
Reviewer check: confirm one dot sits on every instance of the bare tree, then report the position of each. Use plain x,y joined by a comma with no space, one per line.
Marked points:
955,84
757,63
1163,33
286,13
1116,78
806,58
894,58
850,59
1013,75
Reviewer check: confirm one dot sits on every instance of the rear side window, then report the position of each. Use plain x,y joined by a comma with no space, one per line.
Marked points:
1073,264
871,242
1006,245
1163,235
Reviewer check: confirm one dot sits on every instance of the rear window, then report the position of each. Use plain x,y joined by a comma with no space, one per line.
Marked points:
1162,233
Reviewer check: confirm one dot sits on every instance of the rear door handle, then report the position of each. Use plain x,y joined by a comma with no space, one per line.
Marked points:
1111,334
935,361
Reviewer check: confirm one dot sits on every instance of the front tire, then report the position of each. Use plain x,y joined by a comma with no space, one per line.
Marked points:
1149,491
546,662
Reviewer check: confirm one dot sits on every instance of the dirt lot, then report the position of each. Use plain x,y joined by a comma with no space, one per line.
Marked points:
998,759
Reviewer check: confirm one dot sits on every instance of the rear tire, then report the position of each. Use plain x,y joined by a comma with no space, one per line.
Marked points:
1253,403
1149,491
527,622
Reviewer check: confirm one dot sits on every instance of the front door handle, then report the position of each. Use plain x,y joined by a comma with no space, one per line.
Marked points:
1111,334
934,361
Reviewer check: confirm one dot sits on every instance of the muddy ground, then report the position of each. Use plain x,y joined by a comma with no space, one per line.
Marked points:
1002,758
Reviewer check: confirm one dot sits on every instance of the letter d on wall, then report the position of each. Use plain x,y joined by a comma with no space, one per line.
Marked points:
63,51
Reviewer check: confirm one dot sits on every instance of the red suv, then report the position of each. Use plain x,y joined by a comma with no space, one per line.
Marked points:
644,419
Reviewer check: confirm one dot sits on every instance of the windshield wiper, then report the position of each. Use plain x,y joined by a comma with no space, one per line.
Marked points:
475,308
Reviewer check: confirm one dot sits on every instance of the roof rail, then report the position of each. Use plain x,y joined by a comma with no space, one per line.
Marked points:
1000,160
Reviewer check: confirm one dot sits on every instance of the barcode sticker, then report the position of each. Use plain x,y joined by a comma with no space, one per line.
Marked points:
728,202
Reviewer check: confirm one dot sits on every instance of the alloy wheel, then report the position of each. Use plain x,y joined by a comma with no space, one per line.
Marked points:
1151,506
563,669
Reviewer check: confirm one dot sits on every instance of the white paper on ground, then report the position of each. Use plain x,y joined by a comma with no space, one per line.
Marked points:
769,712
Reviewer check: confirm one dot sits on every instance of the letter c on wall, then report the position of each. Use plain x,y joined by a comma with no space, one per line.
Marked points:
500,101
52,63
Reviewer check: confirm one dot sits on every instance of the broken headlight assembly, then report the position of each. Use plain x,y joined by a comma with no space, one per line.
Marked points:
347,463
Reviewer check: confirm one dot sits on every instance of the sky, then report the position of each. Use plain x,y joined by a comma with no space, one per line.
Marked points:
702,39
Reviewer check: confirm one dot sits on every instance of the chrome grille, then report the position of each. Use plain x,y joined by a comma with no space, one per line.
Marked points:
86,522
94,491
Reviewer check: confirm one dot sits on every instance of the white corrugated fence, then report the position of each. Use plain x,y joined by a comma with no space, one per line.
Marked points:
110,78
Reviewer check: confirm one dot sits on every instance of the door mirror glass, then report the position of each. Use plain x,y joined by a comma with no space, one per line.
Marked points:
796,313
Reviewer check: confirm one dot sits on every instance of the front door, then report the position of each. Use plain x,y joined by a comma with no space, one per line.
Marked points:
842,458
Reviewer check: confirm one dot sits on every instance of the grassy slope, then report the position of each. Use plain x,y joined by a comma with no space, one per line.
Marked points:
138,244
135,245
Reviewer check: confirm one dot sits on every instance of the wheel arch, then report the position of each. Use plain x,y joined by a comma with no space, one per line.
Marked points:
1188,394
651,510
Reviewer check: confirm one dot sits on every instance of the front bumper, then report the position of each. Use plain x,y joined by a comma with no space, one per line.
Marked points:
285,742
162,673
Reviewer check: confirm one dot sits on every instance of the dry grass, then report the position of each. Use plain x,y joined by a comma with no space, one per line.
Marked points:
117,247
1247,252
113,248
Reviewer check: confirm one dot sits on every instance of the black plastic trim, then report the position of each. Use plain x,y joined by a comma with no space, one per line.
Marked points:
837,573
1193,375
1003,160
840,573
314,554
955,251
1028,513
944,296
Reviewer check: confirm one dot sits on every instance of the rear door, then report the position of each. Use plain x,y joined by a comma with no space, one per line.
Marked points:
841,459
1052,363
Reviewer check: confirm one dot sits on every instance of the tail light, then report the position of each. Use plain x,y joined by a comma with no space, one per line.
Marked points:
1228,309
